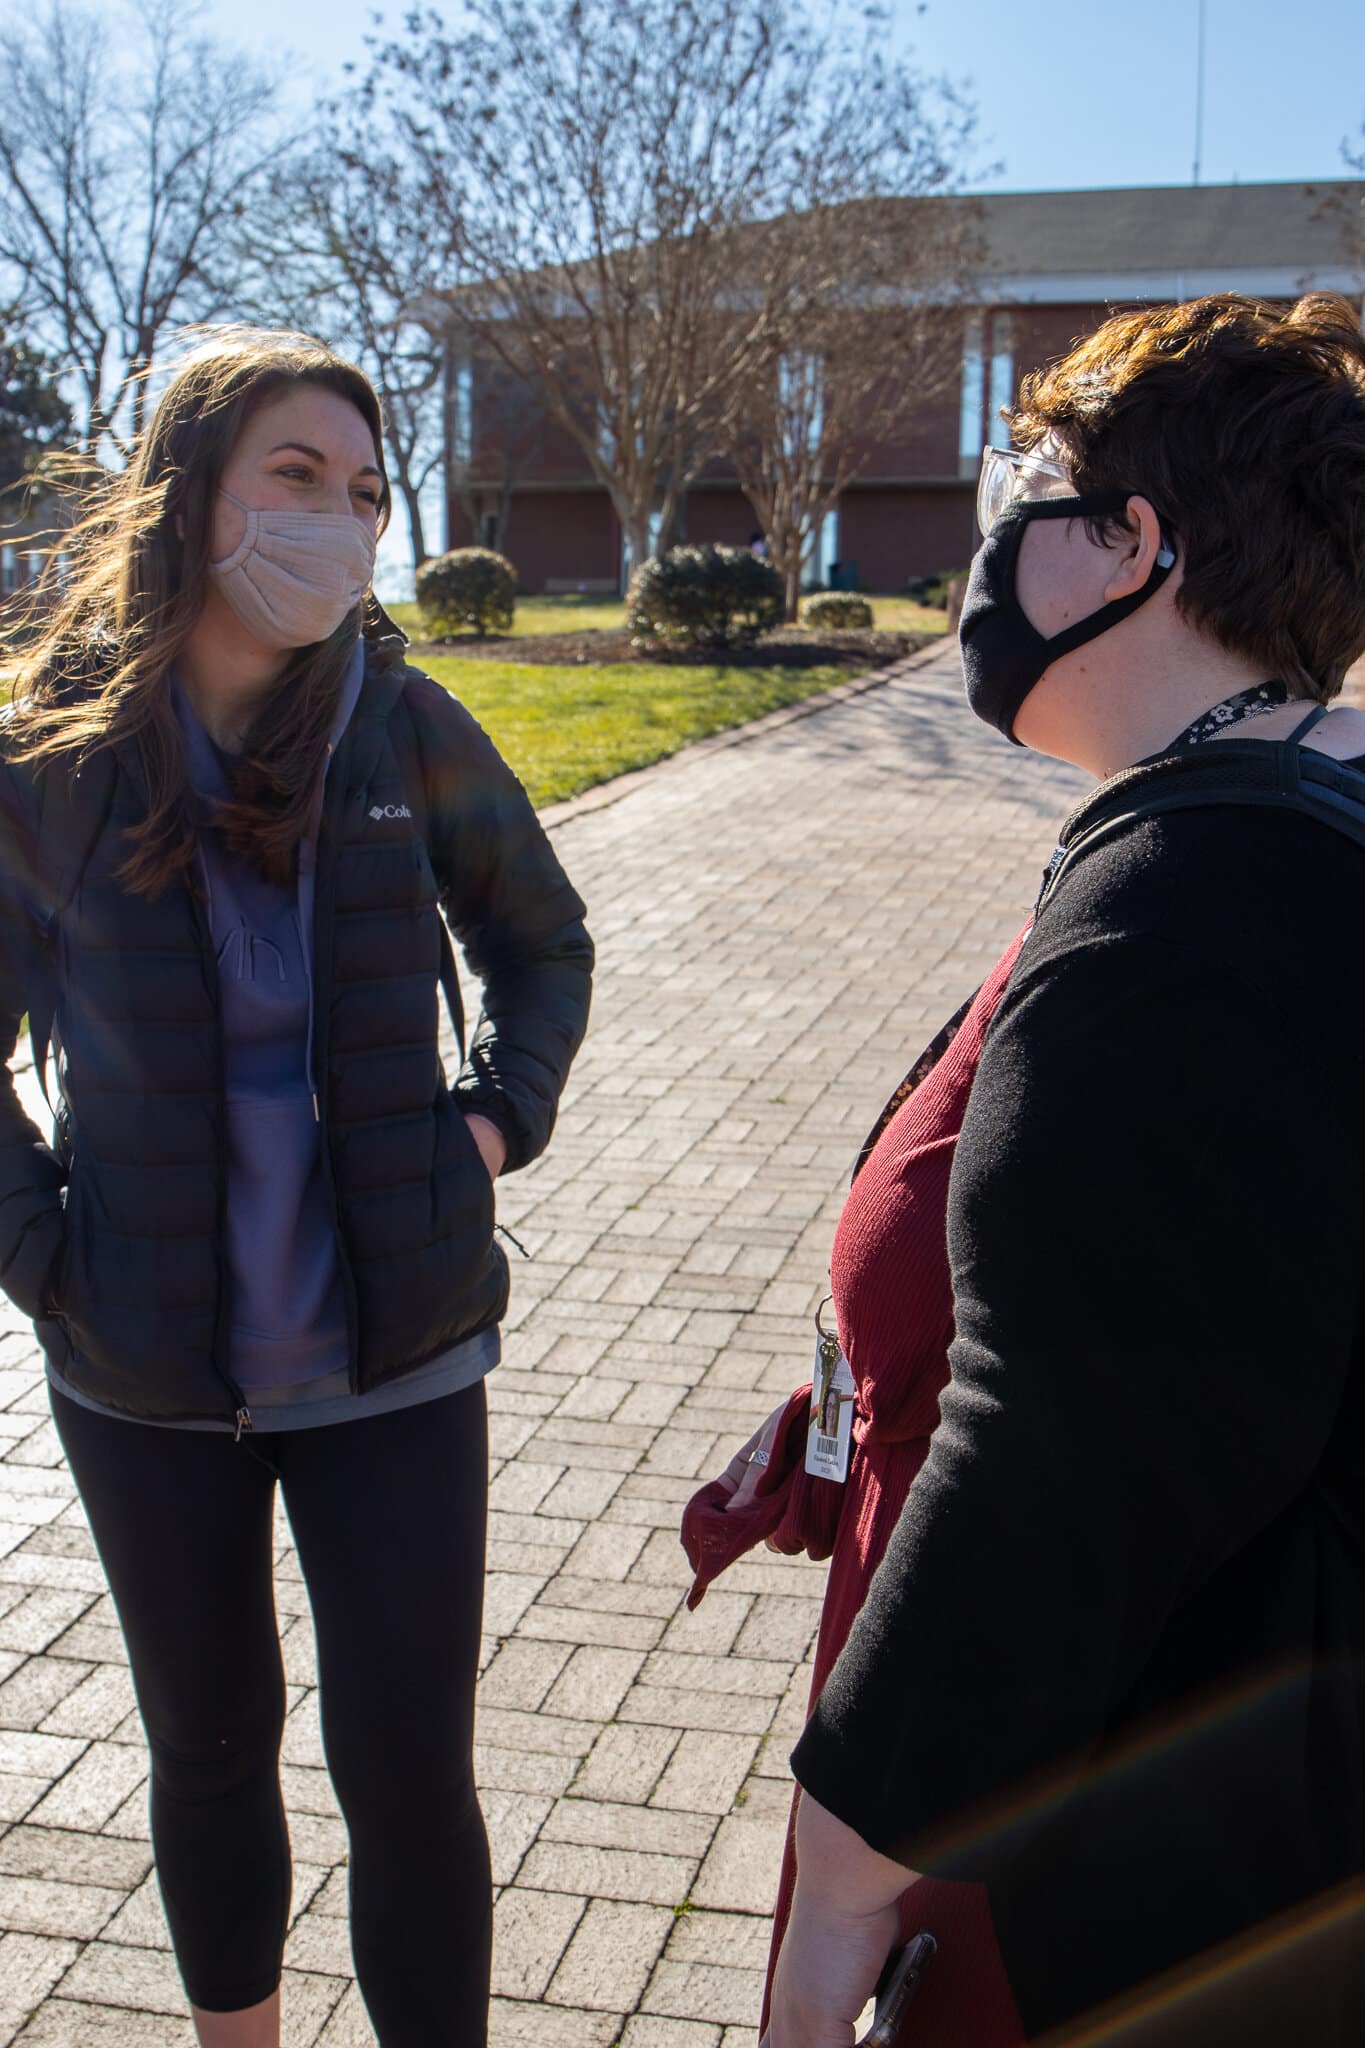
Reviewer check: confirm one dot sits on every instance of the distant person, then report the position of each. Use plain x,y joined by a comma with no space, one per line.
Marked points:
1089,1696
261,1249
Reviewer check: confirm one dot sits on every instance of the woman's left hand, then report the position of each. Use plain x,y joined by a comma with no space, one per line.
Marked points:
490,1141
844,1923
741,1476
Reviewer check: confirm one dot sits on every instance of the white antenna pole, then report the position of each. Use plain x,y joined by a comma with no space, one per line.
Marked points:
1199,96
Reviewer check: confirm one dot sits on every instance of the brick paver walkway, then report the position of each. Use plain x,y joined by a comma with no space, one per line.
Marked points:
781,923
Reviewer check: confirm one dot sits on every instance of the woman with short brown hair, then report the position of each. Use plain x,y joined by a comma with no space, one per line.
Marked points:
260,1249
1099,1716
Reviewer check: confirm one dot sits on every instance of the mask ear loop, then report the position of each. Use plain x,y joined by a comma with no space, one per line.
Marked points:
1100,505
1113,613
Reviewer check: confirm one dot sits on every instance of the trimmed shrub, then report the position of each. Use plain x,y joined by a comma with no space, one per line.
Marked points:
840,611
707,596
470,590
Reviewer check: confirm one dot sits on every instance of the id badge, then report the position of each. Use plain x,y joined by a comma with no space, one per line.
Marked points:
829,1434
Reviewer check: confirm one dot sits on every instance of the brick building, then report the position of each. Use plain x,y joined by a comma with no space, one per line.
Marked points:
1056,264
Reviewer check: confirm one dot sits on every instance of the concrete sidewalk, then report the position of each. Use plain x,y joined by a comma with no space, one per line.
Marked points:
782,921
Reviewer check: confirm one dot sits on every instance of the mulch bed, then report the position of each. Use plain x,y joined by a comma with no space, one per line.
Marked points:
790,647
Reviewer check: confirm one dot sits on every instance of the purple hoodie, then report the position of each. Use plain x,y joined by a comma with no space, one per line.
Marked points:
288,1311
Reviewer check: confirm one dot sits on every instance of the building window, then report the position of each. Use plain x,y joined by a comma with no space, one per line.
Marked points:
801,401
969,434
462,413
9,569
1002,375
823,553
829,543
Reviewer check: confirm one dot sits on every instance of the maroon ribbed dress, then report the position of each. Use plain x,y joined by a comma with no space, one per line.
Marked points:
893,1300
894,1304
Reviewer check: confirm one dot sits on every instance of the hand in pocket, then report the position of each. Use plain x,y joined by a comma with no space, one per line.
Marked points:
490,1141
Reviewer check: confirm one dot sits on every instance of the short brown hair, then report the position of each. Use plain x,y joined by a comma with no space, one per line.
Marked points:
1244,424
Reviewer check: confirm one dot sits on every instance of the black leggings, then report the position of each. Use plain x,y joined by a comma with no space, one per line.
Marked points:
388,1514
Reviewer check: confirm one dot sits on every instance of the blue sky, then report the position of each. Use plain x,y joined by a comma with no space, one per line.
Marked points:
1074,93
1069,92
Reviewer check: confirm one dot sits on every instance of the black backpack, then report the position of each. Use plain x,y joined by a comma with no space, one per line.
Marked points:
1249,773
1242,772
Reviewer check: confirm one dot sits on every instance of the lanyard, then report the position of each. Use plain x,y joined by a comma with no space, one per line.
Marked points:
1246,704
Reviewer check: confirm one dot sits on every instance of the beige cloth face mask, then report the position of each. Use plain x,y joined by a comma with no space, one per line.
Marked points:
293,576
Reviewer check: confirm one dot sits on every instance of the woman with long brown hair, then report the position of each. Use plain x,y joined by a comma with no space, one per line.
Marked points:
260,1247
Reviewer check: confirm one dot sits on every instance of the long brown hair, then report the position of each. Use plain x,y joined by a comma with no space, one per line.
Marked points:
139,552
1244,423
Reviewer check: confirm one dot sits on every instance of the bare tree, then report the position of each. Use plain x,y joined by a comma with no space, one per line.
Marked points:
340,247
874,340
600,172
1344,205
344,248
138,148
493,435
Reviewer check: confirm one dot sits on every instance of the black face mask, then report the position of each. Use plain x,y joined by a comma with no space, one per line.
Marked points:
1003,655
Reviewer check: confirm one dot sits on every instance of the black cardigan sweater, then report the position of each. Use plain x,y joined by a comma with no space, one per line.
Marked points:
1113,1664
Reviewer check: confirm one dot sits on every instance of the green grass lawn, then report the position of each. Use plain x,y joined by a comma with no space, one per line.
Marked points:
573,614
899,615
535,615
565,729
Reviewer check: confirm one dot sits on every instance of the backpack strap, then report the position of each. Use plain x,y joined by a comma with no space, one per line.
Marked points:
1279,777
415,785
386,674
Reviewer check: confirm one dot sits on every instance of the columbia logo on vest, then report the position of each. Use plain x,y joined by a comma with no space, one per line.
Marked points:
390,811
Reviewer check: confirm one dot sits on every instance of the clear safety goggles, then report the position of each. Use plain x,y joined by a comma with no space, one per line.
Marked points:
1009,475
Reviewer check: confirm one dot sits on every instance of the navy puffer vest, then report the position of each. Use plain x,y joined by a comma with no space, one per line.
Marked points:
129,1278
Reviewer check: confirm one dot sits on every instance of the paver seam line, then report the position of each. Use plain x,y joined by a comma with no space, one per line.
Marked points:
563,1950
55,1988
615,1722
604,794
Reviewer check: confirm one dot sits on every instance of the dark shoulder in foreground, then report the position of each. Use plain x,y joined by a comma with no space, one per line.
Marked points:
1273,896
